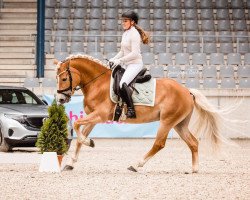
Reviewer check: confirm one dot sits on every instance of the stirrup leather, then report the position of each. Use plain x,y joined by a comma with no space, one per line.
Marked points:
118,112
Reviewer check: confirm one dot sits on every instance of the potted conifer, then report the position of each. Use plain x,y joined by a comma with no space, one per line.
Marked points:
54,132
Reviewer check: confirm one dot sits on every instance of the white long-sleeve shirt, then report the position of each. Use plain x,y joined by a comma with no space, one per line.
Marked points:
130,52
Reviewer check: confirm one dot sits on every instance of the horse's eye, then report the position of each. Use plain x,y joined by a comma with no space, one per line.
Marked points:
64,79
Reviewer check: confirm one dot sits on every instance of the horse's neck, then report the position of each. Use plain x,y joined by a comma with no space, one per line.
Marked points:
93,76
97,92
89,69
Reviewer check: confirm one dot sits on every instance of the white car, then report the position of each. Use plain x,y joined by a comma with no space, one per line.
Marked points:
21,117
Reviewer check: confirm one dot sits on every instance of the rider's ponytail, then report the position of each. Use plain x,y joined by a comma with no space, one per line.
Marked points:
144,36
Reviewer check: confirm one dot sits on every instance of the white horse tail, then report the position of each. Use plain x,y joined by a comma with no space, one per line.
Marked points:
208,121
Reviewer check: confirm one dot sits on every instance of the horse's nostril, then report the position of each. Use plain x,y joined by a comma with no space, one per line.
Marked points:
61,100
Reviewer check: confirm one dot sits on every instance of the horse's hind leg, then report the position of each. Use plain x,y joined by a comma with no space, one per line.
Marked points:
192,142
159,143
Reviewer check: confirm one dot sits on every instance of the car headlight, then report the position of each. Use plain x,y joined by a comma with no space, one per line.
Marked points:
20,118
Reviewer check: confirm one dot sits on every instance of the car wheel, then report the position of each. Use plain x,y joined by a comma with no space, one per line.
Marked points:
4,146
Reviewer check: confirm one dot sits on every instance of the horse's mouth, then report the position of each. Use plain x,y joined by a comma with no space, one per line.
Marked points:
63,99
67,99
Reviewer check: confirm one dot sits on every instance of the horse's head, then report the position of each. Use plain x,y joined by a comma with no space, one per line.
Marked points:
68,78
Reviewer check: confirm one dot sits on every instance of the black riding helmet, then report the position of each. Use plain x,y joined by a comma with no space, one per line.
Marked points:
130,14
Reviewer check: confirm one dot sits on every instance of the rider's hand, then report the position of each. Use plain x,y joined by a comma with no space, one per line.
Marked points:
111,62
116,62
111,59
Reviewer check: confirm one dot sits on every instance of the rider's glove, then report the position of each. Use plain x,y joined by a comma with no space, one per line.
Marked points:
111,62
114,62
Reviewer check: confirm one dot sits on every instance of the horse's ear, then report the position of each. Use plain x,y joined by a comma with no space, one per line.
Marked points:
56,61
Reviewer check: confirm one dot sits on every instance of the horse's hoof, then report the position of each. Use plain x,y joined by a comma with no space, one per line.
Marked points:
131,168
68,168
195,171
91,143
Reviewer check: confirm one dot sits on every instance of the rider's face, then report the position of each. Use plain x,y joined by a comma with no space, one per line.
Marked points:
127,23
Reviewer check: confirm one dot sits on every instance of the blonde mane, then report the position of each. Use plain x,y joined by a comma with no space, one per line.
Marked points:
87,57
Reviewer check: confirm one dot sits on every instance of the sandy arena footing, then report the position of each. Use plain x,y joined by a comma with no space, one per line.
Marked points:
101,173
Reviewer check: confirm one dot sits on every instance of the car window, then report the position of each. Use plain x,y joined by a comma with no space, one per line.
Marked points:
29,99
9,96
6,97
14,98
20,99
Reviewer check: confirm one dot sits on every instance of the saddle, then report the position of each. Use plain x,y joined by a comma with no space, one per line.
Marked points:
117,74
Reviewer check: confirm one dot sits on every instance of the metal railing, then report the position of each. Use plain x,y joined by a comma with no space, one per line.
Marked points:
183,38
97,39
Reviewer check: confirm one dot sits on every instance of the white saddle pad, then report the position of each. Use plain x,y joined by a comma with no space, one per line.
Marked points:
146,94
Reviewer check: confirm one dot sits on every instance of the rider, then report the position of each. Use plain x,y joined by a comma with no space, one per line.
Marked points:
130,56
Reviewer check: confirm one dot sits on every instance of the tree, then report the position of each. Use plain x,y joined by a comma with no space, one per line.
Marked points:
54,132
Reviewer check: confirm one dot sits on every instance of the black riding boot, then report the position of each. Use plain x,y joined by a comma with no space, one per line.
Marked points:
127,98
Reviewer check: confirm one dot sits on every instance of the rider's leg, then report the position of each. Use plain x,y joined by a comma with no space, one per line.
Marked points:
129,74
127,97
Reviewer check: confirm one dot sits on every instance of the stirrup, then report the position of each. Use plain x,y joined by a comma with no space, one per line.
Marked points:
131,113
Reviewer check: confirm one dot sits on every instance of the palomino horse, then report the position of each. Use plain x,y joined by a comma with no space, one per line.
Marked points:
174,105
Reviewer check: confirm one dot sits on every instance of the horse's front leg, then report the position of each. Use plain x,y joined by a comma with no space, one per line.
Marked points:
85,132
89,123
82,136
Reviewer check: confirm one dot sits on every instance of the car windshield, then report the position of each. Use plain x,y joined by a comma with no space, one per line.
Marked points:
14,96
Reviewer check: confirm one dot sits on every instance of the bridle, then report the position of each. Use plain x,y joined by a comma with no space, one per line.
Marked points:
70,88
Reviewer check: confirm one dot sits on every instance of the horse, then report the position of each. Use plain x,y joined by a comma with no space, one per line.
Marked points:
173,108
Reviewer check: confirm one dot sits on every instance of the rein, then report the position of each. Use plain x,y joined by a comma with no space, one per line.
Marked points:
92,79
70,88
